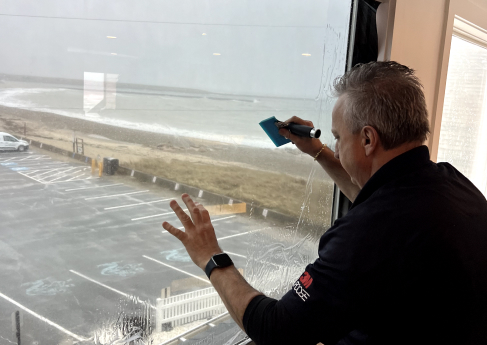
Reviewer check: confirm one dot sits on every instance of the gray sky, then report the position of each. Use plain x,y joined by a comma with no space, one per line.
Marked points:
175,43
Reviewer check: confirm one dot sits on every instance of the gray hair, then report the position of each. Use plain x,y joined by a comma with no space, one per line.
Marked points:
388,97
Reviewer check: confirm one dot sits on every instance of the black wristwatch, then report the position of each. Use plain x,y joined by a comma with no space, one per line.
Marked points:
218,261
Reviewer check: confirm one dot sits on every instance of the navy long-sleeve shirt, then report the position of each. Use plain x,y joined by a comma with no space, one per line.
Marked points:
406,265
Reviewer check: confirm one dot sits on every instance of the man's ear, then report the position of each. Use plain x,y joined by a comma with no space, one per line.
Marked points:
370,140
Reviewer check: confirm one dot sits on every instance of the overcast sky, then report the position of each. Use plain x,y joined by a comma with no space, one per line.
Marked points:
241,47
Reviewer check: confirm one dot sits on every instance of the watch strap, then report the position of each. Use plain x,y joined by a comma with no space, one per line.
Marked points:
217,261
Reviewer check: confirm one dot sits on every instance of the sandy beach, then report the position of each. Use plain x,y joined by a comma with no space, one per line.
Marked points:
274,179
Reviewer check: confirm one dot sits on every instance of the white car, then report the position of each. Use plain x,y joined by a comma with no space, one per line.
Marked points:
10,143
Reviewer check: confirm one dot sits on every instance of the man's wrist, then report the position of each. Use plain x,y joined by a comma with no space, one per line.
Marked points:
218,261
222,270
203,262
316,148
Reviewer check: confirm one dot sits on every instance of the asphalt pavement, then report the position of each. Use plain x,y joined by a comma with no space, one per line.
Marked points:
74,247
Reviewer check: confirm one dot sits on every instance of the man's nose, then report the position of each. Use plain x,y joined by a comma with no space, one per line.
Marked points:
337,155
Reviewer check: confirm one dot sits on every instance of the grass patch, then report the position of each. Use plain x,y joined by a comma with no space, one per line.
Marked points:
276,191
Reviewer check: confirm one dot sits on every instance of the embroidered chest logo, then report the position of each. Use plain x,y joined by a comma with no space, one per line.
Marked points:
306,279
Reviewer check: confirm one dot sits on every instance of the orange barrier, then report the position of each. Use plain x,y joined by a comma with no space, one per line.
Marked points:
227,209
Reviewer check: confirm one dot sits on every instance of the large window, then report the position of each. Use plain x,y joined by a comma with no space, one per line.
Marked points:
175,91
464,123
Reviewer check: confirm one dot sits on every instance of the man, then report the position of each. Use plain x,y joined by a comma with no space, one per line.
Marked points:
406,265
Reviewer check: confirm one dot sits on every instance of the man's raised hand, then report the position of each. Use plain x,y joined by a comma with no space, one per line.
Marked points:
198,236
307,145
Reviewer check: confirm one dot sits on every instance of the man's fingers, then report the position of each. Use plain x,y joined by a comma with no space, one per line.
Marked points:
205,215
192,208
198,213
286,133
299,121
197,219
183,217
180,235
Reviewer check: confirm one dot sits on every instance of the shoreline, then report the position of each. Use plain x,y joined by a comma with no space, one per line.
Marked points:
260,177
272,160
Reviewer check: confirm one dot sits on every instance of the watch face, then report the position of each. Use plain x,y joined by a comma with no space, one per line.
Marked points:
222,260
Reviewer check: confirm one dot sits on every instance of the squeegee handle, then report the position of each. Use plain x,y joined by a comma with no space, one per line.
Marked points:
304,131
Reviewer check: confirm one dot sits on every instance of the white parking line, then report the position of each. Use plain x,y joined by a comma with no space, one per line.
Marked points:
33,158
62,176
110,185
142,203
12,160
32,178
47,172
82,174
3,158
155,215
81,179
42,318
114,195
108,287
214,220
19,161
33,161
60,172
31,172
38,165
241,234
177,269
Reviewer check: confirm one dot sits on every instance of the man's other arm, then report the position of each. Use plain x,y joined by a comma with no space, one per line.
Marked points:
234,291
266,320
200,241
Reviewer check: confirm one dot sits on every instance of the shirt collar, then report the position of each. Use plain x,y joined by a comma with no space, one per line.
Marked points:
395,168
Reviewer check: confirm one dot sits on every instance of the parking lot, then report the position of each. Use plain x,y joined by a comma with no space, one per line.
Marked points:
74,246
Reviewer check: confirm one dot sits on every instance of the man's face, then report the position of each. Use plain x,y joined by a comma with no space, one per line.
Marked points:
348,148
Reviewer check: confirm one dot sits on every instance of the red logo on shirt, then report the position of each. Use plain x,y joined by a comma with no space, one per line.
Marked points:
306,279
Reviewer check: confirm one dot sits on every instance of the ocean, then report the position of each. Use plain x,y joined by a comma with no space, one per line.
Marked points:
231,119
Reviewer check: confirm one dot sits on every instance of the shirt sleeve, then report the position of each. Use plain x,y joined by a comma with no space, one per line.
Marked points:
267,322
305,315
322,304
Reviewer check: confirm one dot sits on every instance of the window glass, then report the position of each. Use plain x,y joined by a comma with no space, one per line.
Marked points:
126,105
464,122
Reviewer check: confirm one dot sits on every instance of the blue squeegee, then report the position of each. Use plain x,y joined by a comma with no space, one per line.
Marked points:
272,130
